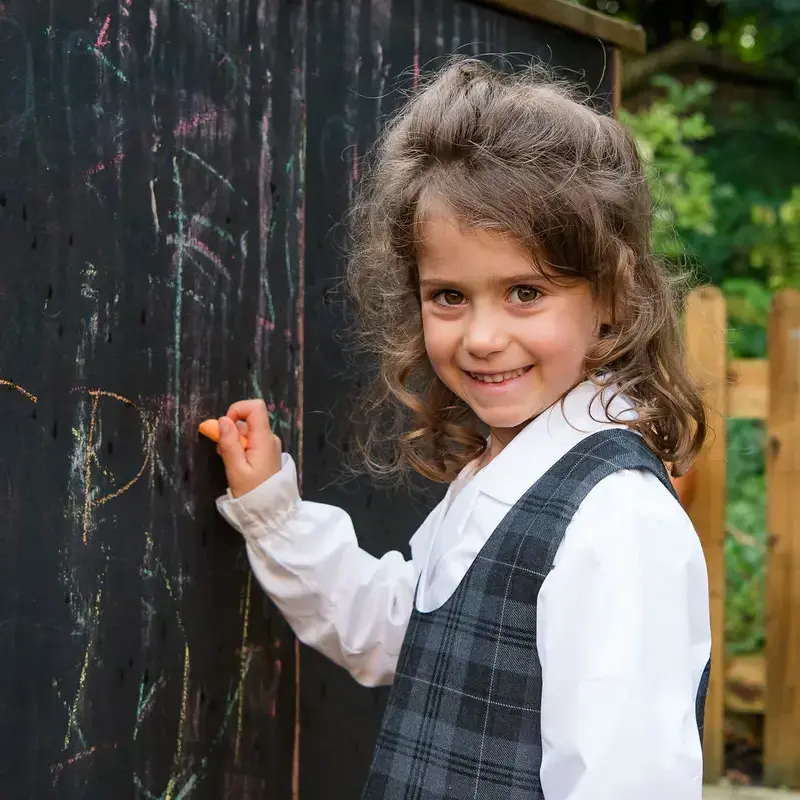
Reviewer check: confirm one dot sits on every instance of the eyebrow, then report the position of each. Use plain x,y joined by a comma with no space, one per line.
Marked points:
522,277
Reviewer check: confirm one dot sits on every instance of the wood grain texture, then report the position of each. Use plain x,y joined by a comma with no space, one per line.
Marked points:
748,388
706,356
582,20
782,713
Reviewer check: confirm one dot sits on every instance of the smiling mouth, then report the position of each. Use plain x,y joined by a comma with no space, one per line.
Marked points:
499,377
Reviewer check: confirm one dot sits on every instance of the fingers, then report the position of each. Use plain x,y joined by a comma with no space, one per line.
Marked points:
255,416
230,448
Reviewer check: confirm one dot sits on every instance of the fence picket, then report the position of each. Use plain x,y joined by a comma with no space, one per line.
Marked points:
782,707
706,351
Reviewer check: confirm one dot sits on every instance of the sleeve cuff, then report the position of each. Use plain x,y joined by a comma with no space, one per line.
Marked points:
266,508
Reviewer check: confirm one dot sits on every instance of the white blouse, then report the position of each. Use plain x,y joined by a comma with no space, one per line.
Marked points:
623,631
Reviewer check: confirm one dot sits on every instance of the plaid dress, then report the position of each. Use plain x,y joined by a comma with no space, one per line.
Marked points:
462,719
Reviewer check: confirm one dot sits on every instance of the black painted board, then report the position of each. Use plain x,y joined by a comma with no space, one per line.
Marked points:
151,218
360,53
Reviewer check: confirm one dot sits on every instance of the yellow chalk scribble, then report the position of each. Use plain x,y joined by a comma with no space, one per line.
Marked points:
243,666
182,723
91,455
84,669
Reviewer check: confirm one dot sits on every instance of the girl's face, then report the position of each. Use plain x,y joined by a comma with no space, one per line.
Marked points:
506,340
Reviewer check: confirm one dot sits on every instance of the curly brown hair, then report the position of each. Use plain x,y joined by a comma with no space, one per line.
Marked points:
521,152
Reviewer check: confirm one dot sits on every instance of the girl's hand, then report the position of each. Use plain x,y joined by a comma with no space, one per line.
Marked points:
250,467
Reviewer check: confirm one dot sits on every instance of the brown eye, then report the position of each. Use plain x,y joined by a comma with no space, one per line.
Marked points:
525,294
448,297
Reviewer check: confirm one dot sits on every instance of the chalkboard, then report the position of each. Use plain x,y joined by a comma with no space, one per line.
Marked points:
151,218
172,174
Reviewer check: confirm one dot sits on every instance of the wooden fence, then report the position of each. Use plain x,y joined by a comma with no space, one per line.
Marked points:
766,389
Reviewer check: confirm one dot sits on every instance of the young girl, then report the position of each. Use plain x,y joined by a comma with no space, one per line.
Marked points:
550,636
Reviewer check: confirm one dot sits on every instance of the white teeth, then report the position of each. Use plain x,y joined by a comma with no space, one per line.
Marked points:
500,376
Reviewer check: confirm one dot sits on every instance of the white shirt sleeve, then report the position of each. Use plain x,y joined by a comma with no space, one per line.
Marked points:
623,637
337,598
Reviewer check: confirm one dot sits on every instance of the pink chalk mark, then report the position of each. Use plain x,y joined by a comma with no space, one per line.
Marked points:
103,166
102,39
209,254
416,69
265,323
185,127
55,769
355,162
153,21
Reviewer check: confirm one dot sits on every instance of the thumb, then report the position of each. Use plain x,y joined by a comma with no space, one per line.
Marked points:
230,448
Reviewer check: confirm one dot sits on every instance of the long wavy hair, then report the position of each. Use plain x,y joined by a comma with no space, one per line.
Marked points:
525,154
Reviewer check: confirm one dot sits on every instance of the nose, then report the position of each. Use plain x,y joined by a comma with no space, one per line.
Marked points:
484,334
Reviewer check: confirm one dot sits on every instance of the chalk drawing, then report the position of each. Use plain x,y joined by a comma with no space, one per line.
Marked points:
55,769
80,693
201,248
87,442
17,387
207,167
179,250
102,39
182,723
99,60
105,165
145,702
185,127
154,206
205,222
243,665
195,778
151,36
75,726
211,36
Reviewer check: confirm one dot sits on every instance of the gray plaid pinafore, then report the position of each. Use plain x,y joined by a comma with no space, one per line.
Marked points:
462,719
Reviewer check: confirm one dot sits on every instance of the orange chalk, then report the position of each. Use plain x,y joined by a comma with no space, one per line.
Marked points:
210,428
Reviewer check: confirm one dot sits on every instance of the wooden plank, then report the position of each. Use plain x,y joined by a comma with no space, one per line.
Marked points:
782,715
616,71
706,358
748,388
580,19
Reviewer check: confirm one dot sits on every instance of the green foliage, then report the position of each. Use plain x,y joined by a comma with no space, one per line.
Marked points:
680,181
778,253
775,29
745,543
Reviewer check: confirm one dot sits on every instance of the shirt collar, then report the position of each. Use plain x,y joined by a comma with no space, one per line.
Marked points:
548,437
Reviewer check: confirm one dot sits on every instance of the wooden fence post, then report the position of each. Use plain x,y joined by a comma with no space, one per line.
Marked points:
706,351
782,711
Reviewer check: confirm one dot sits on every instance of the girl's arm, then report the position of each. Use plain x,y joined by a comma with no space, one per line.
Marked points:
337,598
623,638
